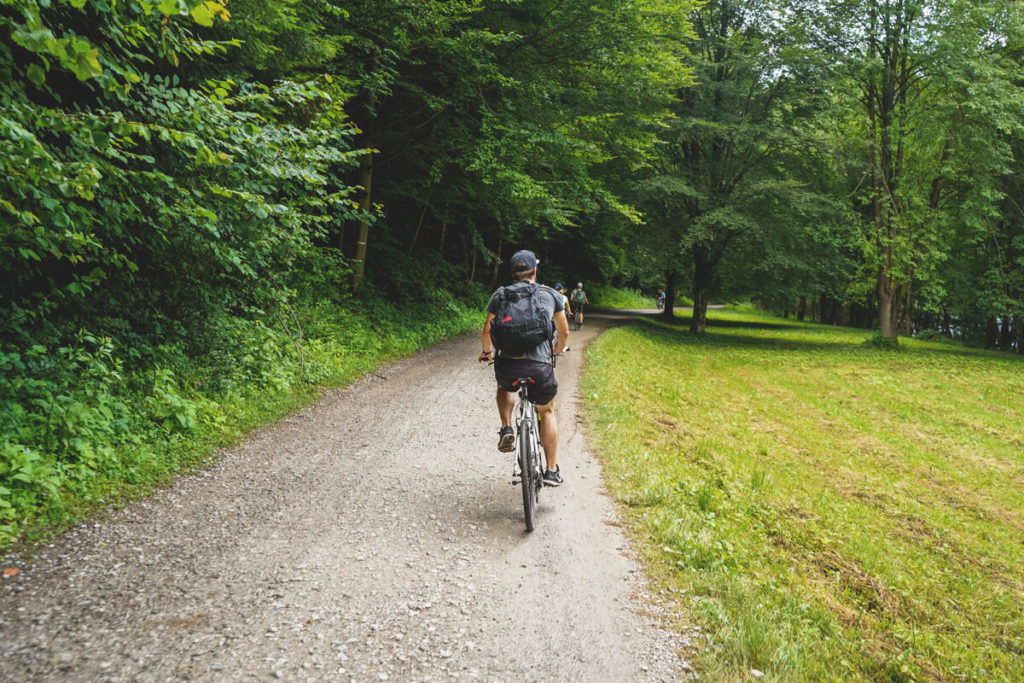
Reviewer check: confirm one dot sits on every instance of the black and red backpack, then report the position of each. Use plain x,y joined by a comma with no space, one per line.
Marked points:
521,322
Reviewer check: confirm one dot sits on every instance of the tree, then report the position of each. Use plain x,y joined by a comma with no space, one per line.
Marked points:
932,111
719,176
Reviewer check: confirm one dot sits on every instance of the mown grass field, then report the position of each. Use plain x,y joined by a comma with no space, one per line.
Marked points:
824,508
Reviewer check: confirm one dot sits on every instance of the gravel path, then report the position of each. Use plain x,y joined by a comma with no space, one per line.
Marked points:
373,536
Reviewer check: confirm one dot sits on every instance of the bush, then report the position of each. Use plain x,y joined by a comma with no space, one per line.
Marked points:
880,341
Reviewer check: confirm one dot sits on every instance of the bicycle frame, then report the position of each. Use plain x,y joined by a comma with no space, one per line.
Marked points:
528,450
526,415
530,457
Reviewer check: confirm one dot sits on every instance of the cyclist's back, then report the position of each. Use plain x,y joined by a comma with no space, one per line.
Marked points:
534,362
579,297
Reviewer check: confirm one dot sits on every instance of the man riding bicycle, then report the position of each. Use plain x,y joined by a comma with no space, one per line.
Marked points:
579,298
535,363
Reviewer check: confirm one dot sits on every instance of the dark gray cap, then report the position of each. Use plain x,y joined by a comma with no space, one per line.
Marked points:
522,261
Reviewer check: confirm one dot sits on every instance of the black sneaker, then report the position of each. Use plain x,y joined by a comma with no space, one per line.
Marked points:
553,478
506,440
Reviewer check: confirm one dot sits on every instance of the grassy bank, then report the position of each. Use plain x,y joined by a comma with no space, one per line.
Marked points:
606,296
83,429
825,508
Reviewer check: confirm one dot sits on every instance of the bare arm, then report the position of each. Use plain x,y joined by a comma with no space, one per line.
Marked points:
485,340
561,332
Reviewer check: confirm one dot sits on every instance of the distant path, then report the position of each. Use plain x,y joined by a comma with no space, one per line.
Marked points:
373,536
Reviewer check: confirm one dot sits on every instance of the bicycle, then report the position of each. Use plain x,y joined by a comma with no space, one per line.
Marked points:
529,456
528,452
577,318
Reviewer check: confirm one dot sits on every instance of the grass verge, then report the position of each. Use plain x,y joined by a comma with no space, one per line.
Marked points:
823,507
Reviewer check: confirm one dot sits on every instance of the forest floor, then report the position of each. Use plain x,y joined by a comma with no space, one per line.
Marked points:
373,536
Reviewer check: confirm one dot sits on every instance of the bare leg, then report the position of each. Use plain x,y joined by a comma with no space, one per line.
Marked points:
549,433
506,402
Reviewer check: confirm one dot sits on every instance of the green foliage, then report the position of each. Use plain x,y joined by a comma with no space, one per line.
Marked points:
79,429
157,205
509,123
113,183
724,178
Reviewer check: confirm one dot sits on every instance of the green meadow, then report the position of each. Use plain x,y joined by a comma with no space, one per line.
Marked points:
824,508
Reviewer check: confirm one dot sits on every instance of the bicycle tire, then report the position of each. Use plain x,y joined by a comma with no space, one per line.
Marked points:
528,474
576,319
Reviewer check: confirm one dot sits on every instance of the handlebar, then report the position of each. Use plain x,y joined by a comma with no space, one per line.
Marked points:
554,358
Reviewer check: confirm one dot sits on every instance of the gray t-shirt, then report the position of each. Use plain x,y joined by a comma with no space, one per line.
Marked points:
551,302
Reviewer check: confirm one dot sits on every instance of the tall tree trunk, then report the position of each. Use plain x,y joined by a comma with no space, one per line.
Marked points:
888,305
801,310
472,267
703,273
1018,332
444,232
364,225
419,224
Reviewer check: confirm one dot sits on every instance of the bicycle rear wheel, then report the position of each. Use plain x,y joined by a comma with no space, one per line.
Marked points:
578,318
528,470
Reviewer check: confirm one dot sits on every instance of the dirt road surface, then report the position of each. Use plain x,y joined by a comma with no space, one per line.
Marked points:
373,536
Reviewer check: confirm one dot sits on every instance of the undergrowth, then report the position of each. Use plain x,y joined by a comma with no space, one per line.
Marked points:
91,422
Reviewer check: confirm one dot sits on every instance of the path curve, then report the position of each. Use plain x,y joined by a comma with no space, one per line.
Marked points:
372,536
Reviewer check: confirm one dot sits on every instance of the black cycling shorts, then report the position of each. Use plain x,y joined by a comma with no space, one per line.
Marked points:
508,370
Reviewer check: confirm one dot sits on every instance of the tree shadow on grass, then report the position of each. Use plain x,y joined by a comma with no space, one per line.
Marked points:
677,332
684,320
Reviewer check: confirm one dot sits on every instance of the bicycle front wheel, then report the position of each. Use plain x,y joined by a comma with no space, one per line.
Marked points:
527,458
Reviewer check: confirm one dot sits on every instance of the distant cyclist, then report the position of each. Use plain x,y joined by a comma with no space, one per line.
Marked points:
560,288
579,299
534,362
